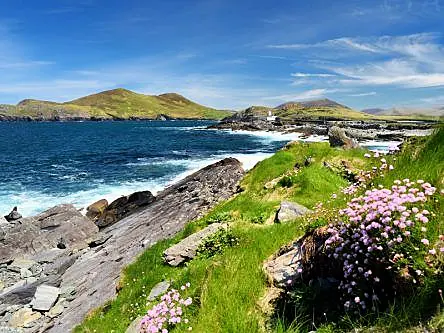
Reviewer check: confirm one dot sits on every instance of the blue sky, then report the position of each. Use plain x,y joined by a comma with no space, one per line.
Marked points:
225,53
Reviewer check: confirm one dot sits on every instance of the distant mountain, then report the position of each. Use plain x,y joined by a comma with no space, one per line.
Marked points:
407,111
117,104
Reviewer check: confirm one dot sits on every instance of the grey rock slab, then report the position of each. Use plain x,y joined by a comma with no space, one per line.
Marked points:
60,224
283,269
289,211
45,297
99,268
186,248
158,289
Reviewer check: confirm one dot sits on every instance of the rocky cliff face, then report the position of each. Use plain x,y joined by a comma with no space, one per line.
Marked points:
87,275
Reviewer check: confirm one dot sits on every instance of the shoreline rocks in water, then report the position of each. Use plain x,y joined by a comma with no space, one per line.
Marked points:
85,274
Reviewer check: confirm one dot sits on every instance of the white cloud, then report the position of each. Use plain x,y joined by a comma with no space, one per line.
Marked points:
312,75
305,95
371,93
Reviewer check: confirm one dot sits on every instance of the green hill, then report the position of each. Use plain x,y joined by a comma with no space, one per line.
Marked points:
322,109
112,104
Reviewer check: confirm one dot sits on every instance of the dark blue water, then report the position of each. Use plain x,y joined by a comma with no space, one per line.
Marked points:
44,164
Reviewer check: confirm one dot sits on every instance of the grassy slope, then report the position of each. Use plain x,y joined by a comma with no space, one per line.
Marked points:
121,104
228,287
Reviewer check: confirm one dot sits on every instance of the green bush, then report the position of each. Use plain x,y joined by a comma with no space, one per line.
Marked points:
216,243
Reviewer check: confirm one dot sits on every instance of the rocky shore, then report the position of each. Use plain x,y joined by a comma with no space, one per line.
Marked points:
59,265
360,130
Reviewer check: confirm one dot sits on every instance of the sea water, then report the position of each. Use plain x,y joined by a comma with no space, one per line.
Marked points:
43,164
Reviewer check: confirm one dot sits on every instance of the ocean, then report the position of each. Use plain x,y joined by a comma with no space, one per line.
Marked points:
43,164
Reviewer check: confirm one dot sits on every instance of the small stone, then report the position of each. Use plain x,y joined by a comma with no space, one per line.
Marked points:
18,264
68,292
57,309
25,273
31,279
45,297
158,290
23,317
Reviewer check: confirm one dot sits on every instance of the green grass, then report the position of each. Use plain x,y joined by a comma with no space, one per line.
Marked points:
228,287
232,308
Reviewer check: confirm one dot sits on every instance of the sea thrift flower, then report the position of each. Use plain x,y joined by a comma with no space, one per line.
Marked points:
163,316
370,237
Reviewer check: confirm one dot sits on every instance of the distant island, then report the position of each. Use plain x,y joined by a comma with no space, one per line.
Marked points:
116,104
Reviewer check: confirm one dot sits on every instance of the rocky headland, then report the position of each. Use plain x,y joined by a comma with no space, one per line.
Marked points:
59,265
317,117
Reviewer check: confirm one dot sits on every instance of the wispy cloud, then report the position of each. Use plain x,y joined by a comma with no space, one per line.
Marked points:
305,95
414,61
371,93
312,75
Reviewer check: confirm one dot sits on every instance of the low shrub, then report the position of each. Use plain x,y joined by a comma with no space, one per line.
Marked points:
216,243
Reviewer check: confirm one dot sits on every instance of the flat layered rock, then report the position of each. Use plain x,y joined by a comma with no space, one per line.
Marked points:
96,272
45,297
186,249
60,225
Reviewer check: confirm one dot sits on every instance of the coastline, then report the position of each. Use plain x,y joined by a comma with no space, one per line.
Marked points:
34,202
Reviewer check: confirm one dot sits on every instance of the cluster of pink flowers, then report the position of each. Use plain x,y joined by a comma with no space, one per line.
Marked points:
364,177
169,312
371,241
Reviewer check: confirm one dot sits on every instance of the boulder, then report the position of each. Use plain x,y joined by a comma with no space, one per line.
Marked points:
45,297
96,209
186,249
338,138
60,226
13,215
289,211
124,206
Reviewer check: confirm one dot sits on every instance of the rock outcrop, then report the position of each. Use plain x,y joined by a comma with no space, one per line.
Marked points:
96,271
86,278
124,206
338,138
289,211
186,249
61,226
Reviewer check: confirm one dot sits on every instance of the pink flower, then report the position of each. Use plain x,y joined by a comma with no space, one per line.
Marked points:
425,241
432,251
357,299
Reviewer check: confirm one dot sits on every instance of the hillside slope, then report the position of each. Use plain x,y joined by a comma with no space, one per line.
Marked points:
111,104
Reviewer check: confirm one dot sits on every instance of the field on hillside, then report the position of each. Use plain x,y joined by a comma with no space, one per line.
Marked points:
227,288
